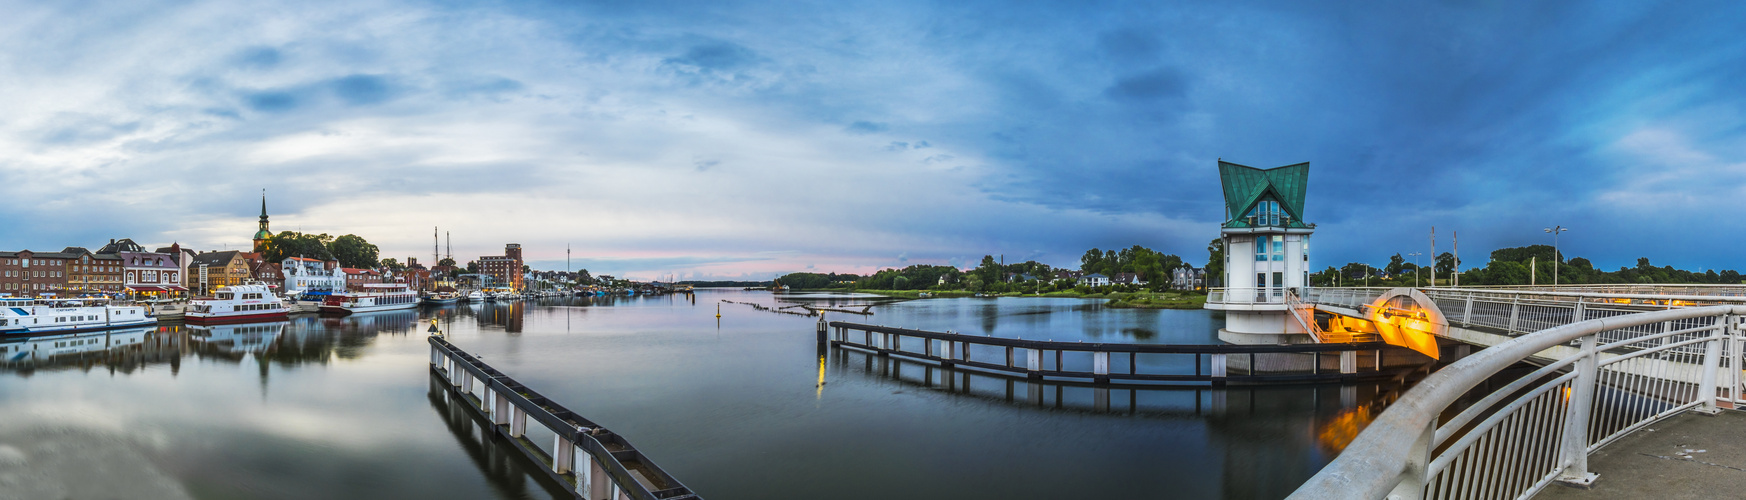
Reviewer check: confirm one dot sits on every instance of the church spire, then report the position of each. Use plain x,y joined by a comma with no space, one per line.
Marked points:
264,234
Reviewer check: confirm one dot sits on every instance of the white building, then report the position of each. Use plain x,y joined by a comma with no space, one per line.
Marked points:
1094,279
1266,252
311,275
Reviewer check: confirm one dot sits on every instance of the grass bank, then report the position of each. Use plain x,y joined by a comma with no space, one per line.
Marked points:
1157,300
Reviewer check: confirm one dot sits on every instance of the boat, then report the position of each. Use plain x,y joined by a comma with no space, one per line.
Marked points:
238,338
28,349
475,296
245,303
31,316
375,297
442,298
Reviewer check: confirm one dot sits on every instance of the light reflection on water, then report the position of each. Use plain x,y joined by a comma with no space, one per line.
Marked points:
344,408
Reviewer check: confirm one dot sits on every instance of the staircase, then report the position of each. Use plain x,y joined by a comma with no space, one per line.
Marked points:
1305,314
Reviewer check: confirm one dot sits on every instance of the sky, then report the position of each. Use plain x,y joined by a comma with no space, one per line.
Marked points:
744,140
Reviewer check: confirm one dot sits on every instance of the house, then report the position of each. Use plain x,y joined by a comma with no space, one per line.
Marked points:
357,278
1127,279
1068,275
32,274
269,273
1188,278
1094,279
183,257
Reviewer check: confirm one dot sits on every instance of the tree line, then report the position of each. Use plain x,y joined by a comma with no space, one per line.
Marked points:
991,275
1533,264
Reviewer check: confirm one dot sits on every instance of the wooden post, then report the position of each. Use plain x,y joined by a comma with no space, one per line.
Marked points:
1100,367
517,422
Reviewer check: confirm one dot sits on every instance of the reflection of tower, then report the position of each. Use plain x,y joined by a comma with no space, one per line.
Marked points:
262,236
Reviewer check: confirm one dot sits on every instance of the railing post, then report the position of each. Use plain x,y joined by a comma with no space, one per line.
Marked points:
1712,364
584,473
563,454
1416,474
1467,313
436,355
1219,369
488,403
1100,366
517,421
1515,310
1573,447
1034,361
1348,362
948,352
500,408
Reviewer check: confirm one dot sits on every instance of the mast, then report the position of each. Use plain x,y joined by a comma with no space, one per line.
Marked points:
436,257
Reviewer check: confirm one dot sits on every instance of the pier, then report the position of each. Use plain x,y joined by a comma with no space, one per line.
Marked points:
1107,362
597,463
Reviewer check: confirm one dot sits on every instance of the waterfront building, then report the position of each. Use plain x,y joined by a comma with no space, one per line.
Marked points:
183,257
503,270
271,274
357,278
1094,279
151,274
31,274
1266,245
212,270
302,275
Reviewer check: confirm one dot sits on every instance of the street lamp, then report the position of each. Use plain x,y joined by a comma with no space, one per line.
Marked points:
1416,268
1555,254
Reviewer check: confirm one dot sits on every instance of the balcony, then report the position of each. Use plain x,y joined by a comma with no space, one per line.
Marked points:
1246,299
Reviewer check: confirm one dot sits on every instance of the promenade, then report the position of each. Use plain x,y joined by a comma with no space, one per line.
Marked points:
1688,456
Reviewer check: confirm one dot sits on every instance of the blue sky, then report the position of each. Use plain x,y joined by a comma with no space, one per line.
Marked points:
740,140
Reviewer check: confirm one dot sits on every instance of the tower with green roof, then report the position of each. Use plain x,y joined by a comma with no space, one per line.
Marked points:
1266,244
264,236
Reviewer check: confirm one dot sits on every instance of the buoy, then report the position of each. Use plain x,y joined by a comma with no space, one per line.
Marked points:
718,310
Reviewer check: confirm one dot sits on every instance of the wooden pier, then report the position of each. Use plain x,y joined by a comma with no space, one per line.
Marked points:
609,467
1215,364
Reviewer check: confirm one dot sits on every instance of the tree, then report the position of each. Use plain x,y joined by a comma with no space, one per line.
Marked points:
1215,261
1396,265
353,251
289,244
393,264
446,262
1445,265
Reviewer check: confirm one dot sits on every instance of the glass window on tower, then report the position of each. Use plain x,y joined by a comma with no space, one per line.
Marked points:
1278,248
1260,248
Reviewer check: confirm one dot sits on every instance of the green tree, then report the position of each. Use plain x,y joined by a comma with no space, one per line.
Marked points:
1215,262
446,262
289,244
353,251
393,264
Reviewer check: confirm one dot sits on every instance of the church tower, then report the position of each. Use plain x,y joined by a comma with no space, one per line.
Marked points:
263,236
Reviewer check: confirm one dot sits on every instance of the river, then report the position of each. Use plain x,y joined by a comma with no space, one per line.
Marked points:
344,408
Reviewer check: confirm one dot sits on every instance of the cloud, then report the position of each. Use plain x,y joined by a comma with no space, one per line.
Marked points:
605,127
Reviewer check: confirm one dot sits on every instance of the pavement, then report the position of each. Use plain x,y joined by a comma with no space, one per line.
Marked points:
1688,456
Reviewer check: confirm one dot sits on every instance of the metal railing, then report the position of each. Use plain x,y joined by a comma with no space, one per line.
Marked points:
1216,363
611,468
1609,377
1246,295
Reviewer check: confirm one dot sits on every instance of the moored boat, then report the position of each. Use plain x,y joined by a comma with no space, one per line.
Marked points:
442,298
246,303
375,297
30,316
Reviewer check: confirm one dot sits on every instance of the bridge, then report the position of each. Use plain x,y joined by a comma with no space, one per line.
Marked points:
1613,360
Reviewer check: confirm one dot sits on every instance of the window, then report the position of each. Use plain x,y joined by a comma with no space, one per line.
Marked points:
1278,248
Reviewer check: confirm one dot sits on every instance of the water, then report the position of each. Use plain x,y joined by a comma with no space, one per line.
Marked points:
344,408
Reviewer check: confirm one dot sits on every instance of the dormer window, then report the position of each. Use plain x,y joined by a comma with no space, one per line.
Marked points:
1268,213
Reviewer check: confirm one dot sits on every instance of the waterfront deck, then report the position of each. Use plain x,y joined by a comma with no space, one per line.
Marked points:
1690,455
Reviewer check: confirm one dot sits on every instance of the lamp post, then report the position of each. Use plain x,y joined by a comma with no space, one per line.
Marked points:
1416,268
1555,254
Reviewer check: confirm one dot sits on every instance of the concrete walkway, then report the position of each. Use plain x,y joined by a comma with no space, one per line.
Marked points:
1688,456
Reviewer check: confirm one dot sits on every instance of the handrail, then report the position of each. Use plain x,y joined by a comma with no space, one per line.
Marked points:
605,450
1394,454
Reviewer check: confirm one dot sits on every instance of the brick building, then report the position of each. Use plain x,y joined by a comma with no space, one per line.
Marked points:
503,270
33,274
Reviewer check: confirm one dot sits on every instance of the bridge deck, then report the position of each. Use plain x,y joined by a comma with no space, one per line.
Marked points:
1666,463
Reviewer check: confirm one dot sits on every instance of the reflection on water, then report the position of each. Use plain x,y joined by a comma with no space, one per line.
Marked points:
746,406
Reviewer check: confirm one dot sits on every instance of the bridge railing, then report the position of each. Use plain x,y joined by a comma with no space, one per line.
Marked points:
1246,295
1106,362
1613,377
611,468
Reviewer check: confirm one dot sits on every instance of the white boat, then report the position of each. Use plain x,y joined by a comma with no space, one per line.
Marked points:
246,303
375,297
255,337
475,296
30,316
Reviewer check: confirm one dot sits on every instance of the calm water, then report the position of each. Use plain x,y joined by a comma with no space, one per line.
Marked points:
344,408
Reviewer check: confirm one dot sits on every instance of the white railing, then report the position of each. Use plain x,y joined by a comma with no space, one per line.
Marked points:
1610,376
1246,295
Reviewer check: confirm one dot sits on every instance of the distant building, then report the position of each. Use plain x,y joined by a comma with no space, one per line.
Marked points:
273,275
263,237
183,256
1188,278
1094,279
32,274
1127,279
1068,275
312,275
503,270
357,278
